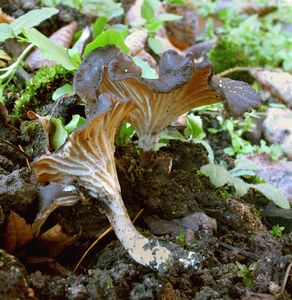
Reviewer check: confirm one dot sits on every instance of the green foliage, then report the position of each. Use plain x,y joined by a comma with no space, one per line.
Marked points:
108,37
50,49
274,151
194,127
125,134
247,273
153,23
147,71
181,240
108,8
277,230
220,176
28,20
42,79
61,132
263,39
98,26
236,128
62,90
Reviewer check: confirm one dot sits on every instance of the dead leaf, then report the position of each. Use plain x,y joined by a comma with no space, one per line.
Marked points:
17,233
55,240
4,117
4,58
136,41
277,83
4,18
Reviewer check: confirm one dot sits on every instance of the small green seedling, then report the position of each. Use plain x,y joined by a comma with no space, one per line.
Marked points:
181,240
277,230
247,273
220,176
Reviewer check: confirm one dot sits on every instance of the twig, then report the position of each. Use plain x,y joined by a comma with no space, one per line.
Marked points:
16,149
286,278
232,70
239,251
105,233
26,159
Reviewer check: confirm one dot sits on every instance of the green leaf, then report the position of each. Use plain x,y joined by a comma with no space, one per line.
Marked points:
147,10
194,126
217,174
108,37
154,25
76,122
272,193
50,49
32,18
61,91
125,134
98,26
155,45
175,2
60,134
169,17
245,164
5,32
147,71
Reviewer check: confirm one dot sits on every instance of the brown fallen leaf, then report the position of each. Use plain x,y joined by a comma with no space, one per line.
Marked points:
17,233
4,18
55,240
136,41
63,37
4,58
277,83
4,117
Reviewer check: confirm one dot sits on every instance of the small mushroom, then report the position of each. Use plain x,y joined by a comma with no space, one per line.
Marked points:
88,158
182,85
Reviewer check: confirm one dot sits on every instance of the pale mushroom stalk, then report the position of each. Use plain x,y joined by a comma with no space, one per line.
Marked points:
88,158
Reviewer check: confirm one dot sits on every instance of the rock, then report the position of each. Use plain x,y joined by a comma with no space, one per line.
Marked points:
278,173
277,83
194,222
275,215
16,191
277,128
13,280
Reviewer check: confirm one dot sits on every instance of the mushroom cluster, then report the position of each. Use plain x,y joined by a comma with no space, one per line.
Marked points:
114,90
182,85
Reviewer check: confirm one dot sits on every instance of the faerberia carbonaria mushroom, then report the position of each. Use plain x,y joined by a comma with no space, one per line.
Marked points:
88,159
182,85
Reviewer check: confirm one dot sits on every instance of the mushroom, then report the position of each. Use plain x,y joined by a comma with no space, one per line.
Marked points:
88,158
182,85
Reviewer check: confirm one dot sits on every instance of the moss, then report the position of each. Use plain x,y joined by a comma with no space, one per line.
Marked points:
34,137
39,89
226,55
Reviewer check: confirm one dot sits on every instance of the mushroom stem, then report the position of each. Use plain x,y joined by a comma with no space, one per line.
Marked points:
147,252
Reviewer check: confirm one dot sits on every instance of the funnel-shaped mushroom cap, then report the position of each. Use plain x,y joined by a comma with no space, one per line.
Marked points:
88,155
181,86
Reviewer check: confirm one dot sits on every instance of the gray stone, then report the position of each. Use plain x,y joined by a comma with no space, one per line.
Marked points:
277,128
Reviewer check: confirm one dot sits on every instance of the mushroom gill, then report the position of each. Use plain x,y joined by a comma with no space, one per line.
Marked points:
88,159
182,85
